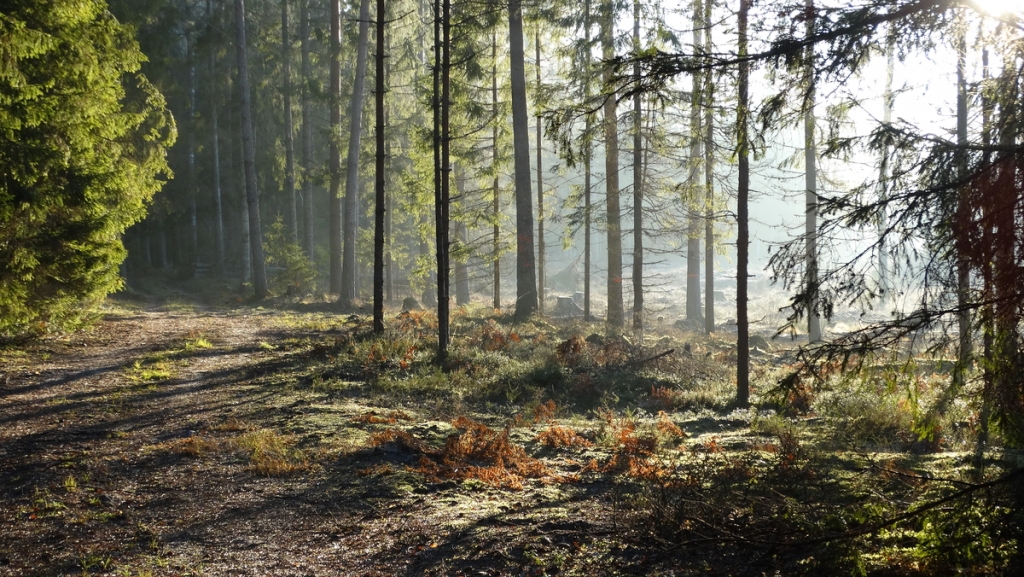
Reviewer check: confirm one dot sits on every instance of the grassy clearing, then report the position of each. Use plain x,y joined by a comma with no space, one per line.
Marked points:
541,430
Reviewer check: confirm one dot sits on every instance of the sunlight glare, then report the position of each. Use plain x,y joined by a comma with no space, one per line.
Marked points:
1001,7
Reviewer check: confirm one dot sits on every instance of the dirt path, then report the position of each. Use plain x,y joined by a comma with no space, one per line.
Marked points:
136,449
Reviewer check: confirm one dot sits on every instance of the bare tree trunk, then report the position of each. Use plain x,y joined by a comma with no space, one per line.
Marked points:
883,170
694,312
190,127
289,137
526,272
443,175
963,210
638,194
461,269
307,136
988,312
743,193
215,146
811,187
334,101
378,189
708,100
611,136
355,115
540,191
259,270
389,265
495,207
587,158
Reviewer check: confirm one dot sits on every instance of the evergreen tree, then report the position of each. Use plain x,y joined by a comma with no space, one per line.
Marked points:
82,141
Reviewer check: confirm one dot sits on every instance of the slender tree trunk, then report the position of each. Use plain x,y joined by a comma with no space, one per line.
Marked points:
389,265
495,206
708,99
193,225
587,158
963,209
259,270
540,190
611,136
988,313
743,193
334,101
811,187
694,312
378,189
460,266
307,136
884,281
215,146
638,190
526,272
443,177
289,140
348,293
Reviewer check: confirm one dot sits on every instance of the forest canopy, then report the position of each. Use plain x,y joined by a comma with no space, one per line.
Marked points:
82,149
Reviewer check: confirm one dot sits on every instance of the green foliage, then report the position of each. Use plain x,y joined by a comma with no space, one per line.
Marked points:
82,140
296,275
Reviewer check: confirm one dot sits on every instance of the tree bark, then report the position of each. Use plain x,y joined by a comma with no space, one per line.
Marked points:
495,206
811,187
378,189
334,101
526,273
289,140
587,159
694,312
638,190
743,193
963,213
540,190
259,270
443,176
307,136
215,146
348,292
611,145
708,100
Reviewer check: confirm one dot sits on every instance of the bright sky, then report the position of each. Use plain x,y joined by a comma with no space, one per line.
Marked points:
996,7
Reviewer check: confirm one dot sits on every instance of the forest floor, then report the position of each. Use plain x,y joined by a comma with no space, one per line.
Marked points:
173,439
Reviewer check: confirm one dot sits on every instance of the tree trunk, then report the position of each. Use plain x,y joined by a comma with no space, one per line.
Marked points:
611,136
743,193
334,101
348,293
638,196
540,190
259,269
707,98
963,212
811,187
495,207
587,158
378,188
883,171
461,268
215,146
526,273
694,312
289,144
307,136
190,127
443,177
389,265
